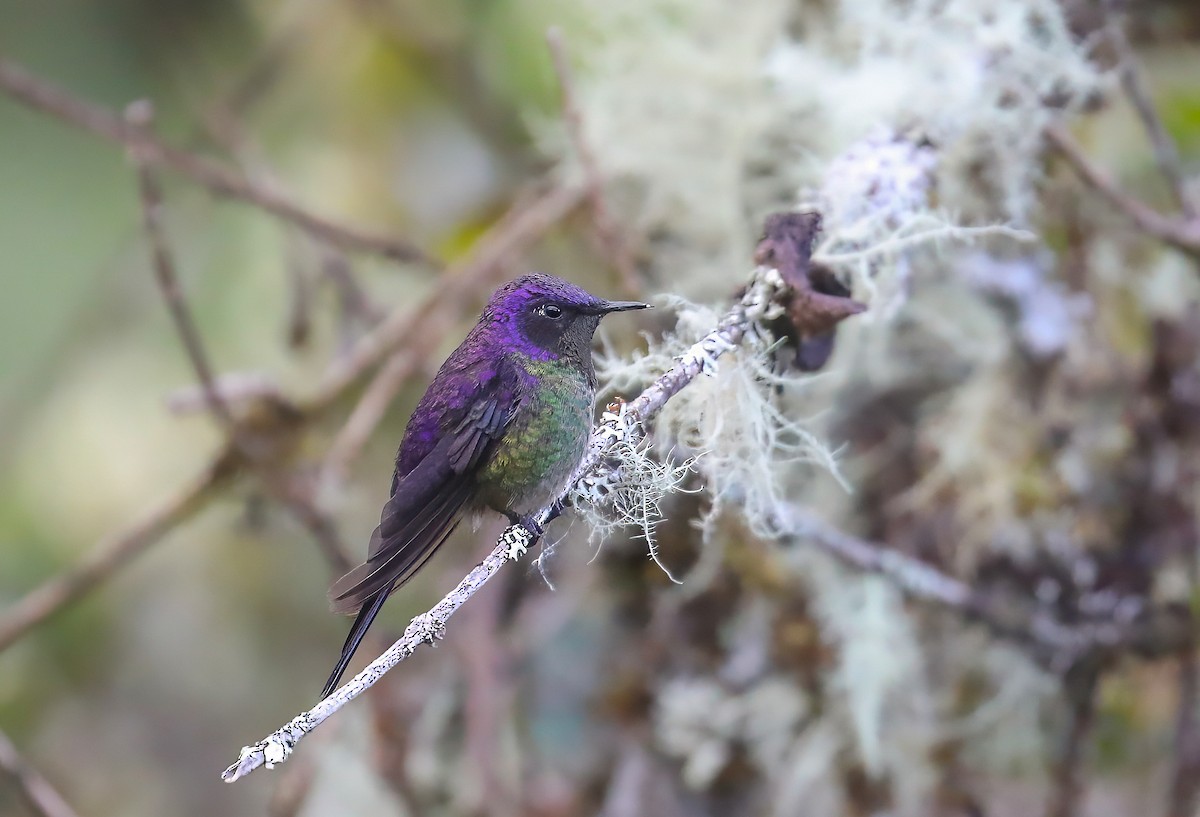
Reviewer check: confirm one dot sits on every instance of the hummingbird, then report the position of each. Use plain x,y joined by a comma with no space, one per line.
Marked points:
502,426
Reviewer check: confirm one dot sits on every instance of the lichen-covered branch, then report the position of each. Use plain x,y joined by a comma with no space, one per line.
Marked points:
1064,645
759,302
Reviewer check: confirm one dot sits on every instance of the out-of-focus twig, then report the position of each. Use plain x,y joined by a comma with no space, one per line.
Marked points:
1185,774
1181,234
43,798
139,116
1165,152
606,227
112,552
1067,783
1185,771
280,485
36,93
1160,633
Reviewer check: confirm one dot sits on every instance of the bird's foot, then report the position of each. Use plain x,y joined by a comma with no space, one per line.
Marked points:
528,522
522,533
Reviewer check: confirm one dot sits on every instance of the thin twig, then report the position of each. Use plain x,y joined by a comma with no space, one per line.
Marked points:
516,539
606,227
139,115
1080,689
1165,152
1182,235
284,488
281,486
218,178
111,553
1067,645
1185,774
43,798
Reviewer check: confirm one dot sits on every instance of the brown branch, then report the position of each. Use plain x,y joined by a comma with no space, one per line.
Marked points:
1166,155
1180,234
139,115
606,226
1185,776
218,178
279,485
36,790
111,553
284,489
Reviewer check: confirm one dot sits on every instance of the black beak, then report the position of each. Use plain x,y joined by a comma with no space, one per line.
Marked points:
604,307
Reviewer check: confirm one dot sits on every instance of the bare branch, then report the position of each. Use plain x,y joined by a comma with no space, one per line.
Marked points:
1180,234
1080,690
1165,152
111,553
43,798
1065,645
1185,776
606,227
219,179
139,115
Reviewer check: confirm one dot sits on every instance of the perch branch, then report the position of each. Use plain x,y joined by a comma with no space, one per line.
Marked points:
43,798
40,95
428,627
1183,235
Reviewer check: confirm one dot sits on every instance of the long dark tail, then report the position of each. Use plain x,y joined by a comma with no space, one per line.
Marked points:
362,623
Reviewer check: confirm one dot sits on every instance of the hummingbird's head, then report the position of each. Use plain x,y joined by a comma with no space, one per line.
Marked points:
550,317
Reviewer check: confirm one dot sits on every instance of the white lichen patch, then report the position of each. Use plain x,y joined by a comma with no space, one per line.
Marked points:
629,488
705,725
735,417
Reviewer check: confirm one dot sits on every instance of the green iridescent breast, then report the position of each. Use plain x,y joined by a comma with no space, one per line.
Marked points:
543,443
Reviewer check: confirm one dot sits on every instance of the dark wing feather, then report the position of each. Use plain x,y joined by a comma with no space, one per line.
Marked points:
425,507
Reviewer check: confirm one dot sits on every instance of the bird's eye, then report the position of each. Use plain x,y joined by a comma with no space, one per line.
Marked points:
550,311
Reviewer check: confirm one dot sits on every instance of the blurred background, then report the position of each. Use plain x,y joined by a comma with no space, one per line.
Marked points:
1018,408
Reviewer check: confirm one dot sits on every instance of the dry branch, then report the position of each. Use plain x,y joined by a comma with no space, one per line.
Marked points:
139,115
43,798
1181,234
112,553
219,179
1165,153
